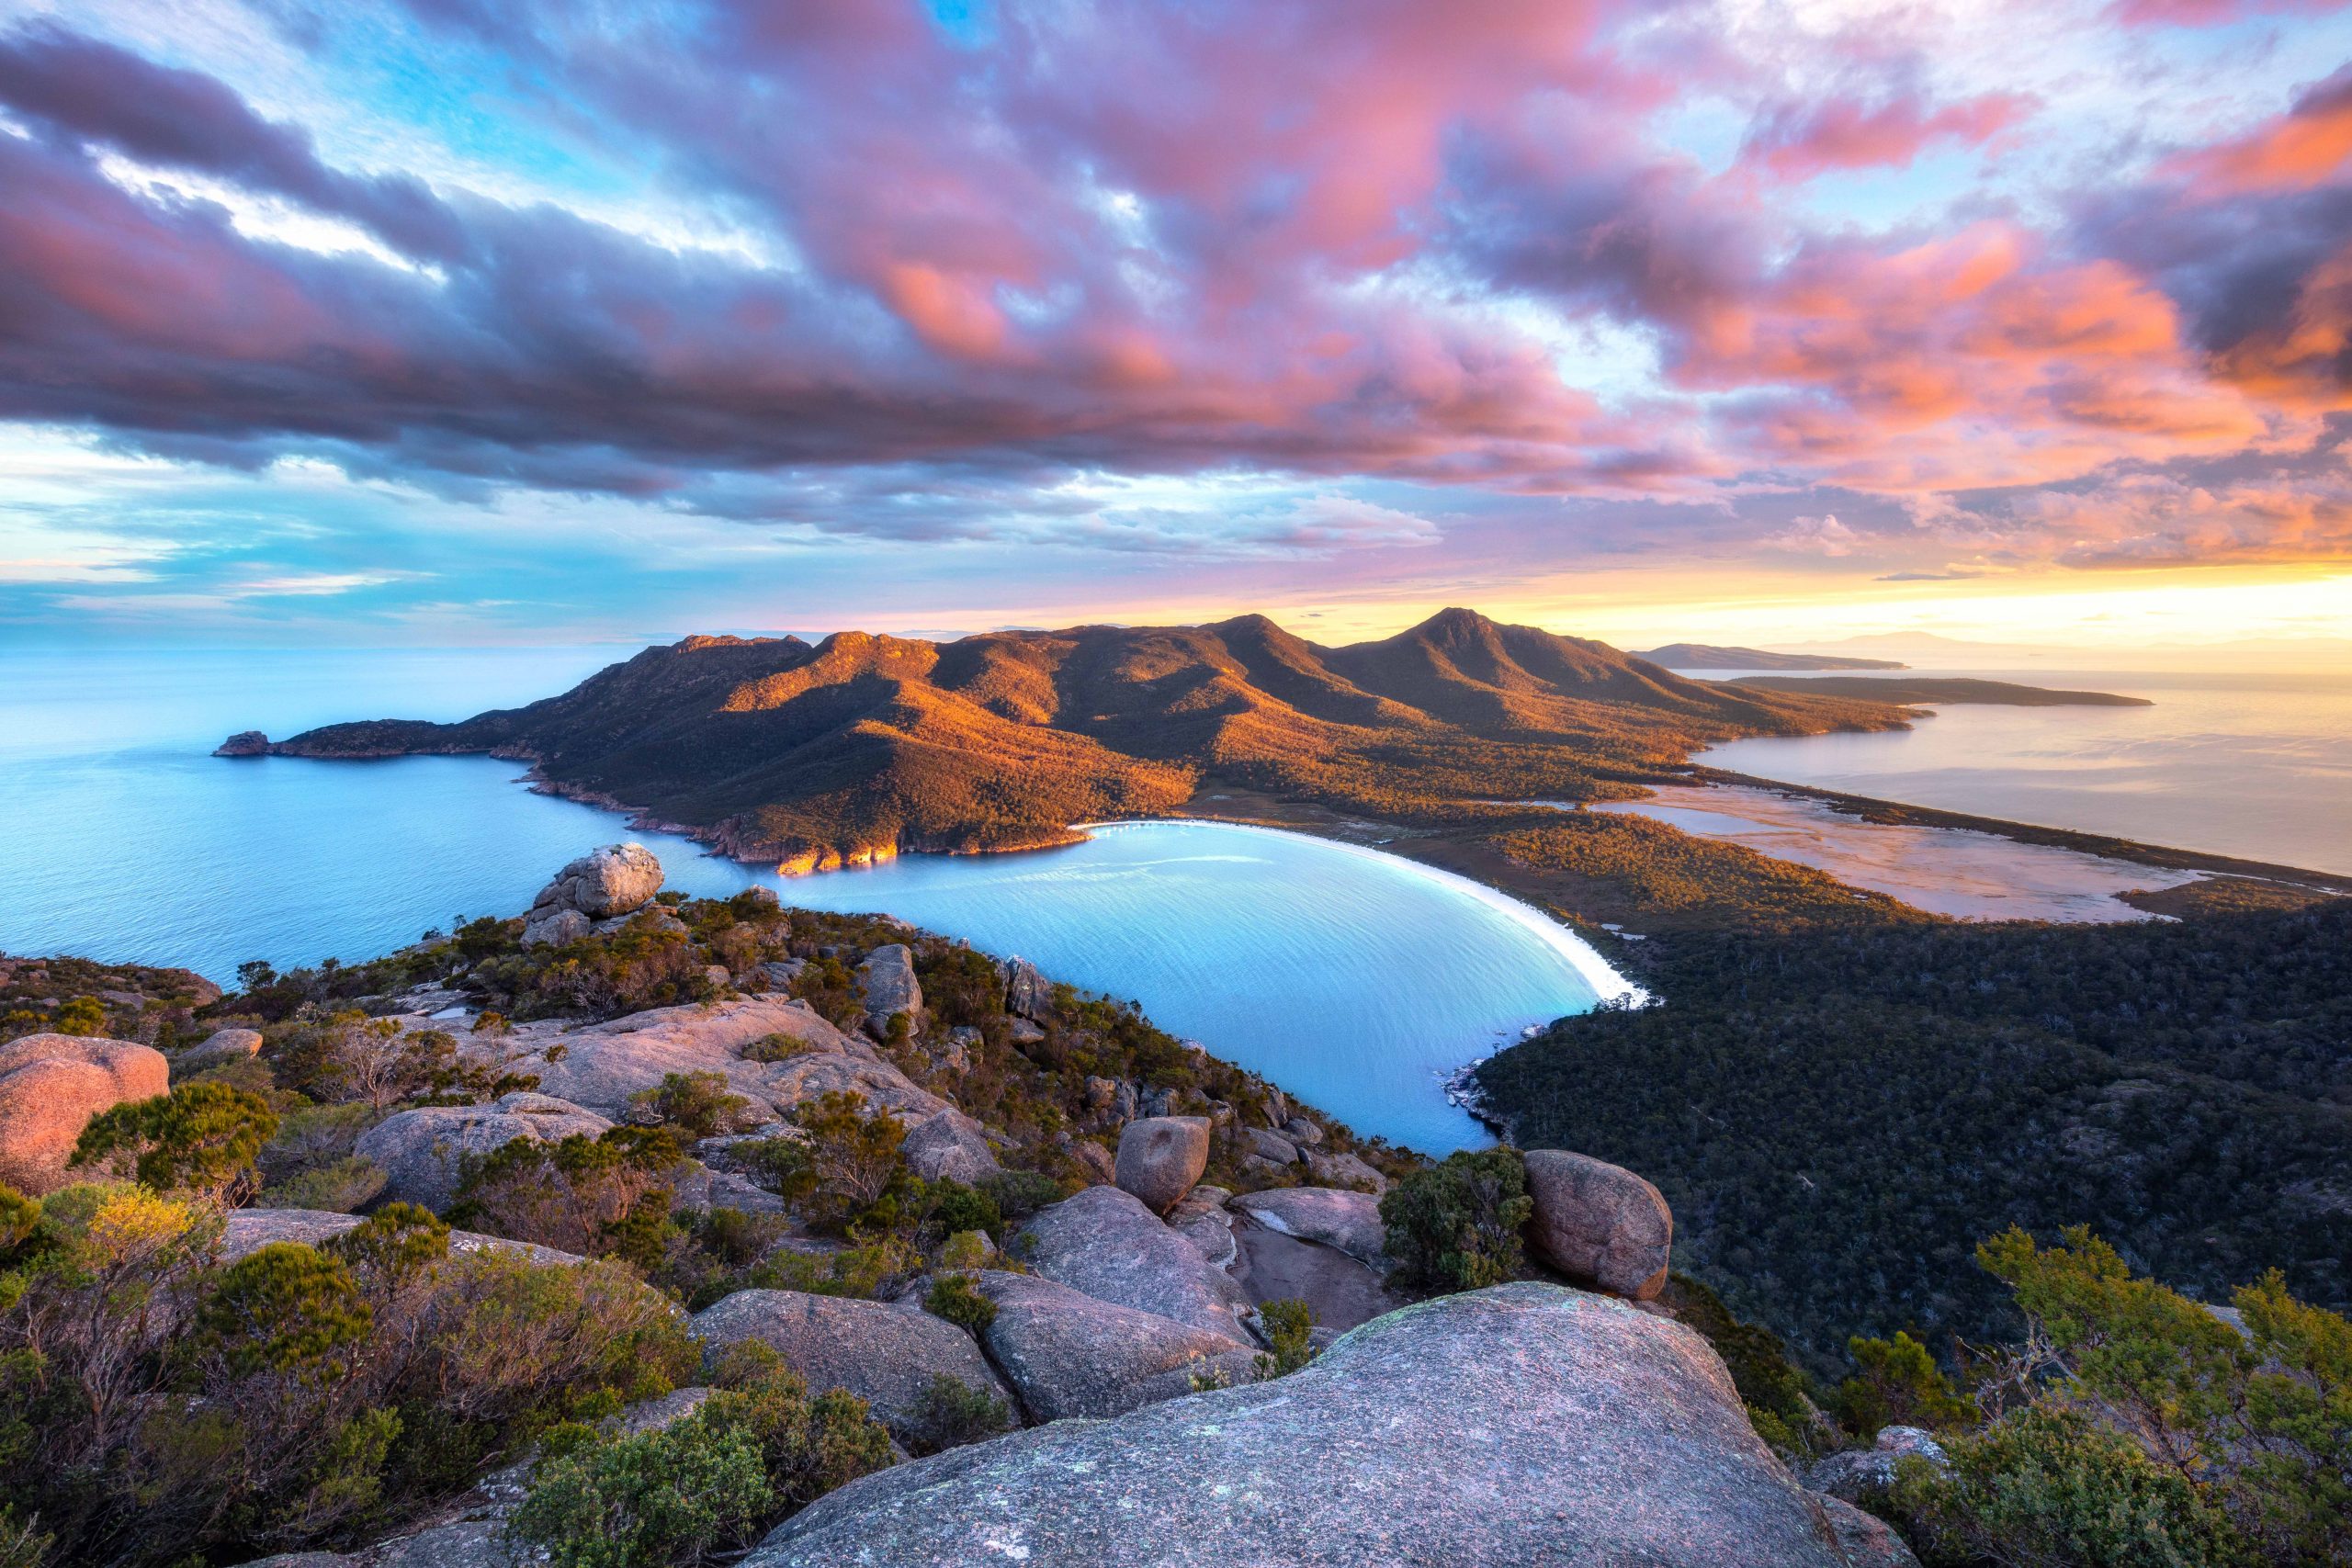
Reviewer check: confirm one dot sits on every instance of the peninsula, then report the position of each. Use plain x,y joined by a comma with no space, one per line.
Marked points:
861,747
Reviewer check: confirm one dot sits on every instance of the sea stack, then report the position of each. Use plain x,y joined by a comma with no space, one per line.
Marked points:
245,743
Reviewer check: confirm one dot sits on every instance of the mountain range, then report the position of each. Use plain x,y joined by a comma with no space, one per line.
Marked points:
858,747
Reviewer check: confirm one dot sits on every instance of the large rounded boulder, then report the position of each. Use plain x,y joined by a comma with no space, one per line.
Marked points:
1525,1424
1598,1223
423,1153
50,1085
615,880
1161,1158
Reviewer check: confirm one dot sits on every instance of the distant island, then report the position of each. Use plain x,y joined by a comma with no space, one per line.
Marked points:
861,747
1712,656
1924,688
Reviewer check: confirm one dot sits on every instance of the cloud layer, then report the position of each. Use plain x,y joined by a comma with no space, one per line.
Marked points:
1054,272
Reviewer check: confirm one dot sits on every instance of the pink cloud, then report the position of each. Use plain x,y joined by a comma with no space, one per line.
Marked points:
1799,141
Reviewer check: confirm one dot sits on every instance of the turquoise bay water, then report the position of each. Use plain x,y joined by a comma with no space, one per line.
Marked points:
1352,977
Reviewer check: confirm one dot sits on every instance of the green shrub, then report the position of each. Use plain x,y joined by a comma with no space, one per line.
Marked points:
758,1450
950,1413
2261,1421
955,1298
349,1184
1018,1194
675,1496
19,1218
955,1207
284,1307
23,1543
844,1165
860,1270
1455,1225
1289,1329
699,1104
606,1196
2048,1486
159,1405
200,1138
775,1048
83,1015
965,1251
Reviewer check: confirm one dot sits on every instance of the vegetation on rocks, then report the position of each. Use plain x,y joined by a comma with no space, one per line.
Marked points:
1456,1225
160,1403
761,1447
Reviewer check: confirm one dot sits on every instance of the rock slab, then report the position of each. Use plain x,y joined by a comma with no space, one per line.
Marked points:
1161,1158
1598,1223
1348,1221
887,985
885,1353
423,1152
1071,1356
1104,1243
1525,1424
50,1085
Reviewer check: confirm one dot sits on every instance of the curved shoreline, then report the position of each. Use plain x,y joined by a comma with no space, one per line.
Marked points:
1610,989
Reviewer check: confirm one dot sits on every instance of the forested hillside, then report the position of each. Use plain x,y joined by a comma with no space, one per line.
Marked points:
1839,1114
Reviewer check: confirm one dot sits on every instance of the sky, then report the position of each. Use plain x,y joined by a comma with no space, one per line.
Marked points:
482,321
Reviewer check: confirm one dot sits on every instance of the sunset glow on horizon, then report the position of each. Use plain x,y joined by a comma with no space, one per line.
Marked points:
427,320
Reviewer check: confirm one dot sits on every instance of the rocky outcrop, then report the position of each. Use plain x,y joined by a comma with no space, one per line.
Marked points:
250,1230
1867,1541
1525,1424
887,985
1160,1159
612,881
1269,1147
218,1050
948,1146
1348,1221
1069,1355
1857,1472
605,1064
886,1353
1027,994
1598,1223
50,1085
1105,1243
1343,1169
245,743
422,1153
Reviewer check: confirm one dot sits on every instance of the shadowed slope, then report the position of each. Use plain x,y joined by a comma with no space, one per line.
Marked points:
864,744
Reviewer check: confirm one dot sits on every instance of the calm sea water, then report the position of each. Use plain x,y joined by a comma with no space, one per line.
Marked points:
2240,764
1352,977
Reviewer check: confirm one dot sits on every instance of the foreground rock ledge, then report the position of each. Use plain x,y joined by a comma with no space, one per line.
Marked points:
1523,1425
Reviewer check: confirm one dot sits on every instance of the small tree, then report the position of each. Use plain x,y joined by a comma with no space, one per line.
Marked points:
1455,1225
698,1104
607,1196
1898,1385
845,1161
200,1138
